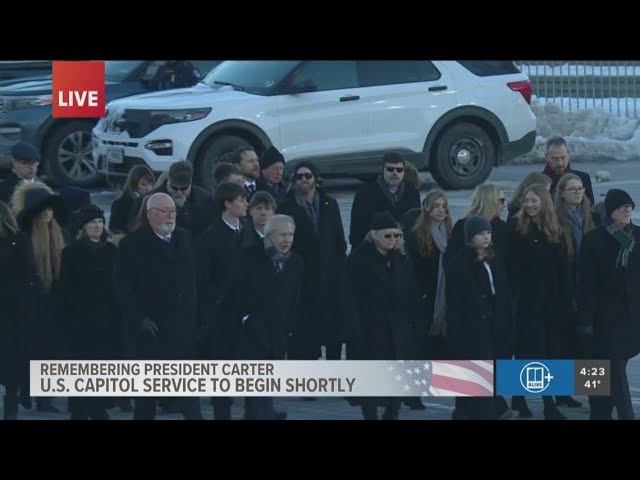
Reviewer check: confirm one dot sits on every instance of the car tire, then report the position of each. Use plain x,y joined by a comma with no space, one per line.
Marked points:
211,153
67,153
464,157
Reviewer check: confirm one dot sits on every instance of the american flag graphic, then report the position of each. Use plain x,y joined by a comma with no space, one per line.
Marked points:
444,378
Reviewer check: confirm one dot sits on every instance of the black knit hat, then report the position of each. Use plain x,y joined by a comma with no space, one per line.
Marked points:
382,221
270,156
306,164
36,200
615,199
87,214
25,152
473,226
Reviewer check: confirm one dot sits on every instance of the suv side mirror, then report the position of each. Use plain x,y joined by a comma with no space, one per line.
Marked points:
301,87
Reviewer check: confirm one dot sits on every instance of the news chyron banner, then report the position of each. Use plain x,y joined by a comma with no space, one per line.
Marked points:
553,377
346,378
78,89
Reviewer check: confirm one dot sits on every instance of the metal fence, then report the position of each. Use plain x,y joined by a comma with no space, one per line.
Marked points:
613,86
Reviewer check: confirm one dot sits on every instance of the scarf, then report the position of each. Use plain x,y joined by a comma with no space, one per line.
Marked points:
277,258
394,198
439,236
312,211
576,219
625,240
555,178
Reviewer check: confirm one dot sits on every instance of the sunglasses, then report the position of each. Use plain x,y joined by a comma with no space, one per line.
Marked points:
394,169
389,236
501,200
179,189
300,176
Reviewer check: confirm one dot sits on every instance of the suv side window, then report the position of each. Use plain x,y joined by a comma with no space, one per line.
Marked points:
328,75
486,68
394,72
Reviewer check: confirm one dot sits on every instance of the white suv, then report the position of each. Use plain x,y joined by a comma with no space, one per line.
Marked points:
456,119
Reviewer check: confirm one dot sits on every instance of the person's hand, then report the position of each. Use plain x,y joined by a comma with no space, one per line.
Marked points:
149,327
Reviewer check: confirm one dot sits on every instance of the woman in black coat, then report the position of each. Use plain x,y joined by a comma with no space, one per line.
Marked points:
16,294
478,316
139,182
539,282
93,323
382,304
609,299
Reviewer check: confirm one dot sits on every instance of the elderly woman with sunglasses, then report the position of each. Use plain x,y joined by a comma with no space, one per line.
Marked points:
609,299
382,305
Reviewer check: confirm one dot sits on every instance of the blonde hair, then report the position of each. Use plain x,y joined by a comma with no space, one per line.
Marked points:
423,224
484,201
515,203
548,220
562,211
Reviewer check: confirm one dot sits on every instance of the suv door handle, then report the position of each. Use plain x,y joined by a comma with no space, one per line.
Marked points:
350,99
438,88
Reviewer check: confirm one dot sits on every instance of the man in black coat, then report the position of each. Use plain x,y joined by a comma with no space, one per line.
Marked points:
558,157
271,169
388,193
320,241
194,204
156,289
25,159
218,252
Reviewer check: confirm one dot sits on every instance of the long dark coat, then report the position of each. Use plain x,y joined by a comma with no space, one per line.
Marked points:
158,281
609,295
270,301
539,281
371,199
478,323
324,256
93,324
382,304
498,238
17,290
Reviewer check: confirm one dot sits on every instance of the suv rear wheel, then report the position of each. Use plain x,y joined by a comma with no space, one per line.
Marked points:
464,157
68,154
211,153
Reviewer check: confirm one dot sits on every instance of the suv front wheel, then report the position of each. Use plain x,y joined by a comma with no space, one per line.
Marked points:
68,154
211,153
464,157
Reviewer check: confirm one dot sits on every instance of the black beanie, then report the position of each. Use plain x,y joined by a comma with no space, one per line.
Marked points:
309,165
615,199
270,156
87,214
382,221
473,226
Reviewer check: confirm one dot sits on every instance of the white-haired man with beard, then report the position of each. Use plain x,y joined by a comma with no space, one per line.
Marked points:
156,288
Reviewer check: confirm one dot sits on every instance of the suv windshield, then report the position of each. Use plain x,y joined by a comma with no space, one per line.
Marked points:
259,77
117,71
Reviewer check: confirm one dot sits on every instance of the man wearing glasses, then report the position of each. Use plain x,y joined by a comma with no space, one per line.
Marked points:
194,204
558,163
388,193
156,289
25,159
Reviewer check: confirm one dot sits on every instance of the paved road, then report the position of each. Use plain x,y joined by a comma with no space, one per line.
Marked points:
623,175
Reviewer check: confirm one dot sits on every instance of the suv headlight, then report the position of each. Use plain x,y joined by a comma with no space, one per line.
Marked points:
164,117
16,102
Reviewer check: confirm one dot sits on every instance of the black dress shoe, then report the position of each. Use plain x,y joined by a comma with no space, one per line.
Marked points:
390,415
519,404
25,402
415,404
279,415
568,401
554,414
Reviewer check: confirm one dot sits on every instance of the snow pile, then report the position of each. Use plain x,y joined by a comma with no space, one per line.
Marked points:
593,134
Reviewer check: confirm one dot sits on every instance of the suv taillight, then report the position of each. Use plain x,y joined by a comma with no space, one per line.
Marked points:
524,87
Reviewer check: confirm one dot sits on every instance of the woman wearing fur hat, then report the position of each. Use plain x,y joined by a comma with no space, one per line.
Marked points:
40,215
478,316
539,282
609,299
15,322
382,304
93,323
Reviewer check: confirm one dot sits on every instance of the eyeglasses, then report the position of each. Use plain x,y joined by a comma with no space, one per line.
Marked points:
626,208
300,176
389,236
394,169
179,189
166,211
574,189
501,200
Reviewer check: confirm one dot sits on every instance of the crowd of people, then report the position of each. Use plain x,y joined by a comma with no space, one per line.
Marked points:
258,269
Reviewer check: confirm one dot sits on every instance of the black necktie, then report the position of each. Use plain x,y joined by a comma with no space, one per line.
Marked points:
251,188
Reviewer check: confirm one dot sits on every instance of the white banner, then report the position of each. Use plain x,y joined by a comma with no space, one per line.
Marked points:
290,378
